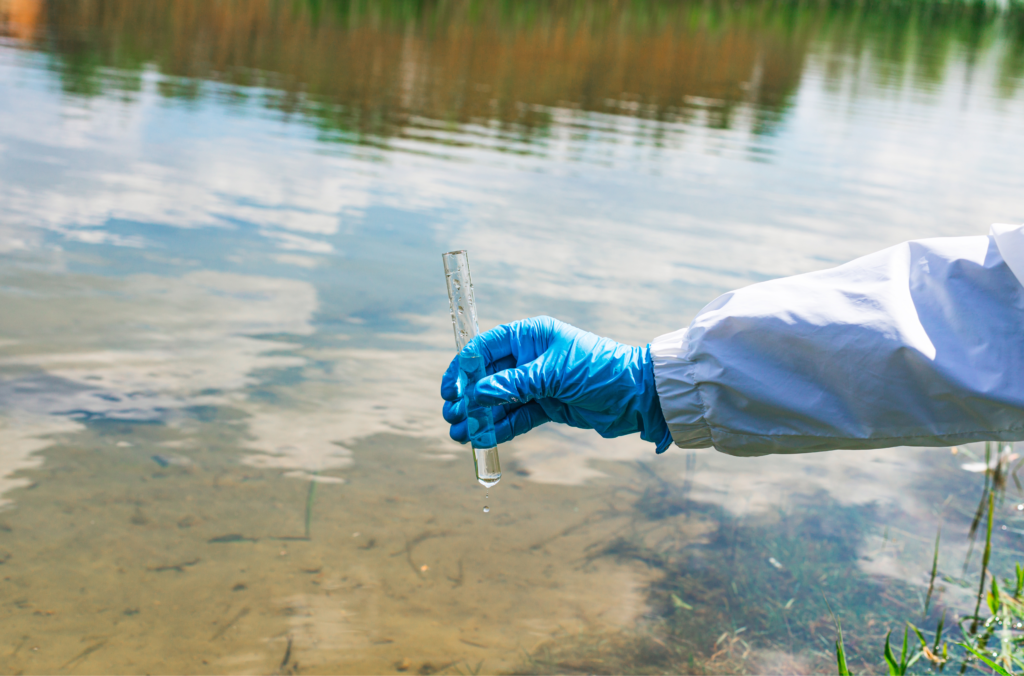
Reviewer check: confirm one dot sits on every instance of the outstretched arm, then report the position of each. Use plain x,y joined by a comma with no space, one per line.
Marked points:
919,344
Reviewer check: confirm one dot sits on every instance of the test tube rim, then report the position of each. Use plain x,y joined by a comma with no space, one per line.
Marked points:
455,253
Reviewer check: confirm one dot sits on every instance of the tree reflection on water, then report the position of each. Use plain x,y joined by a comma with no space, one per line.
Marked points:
365,72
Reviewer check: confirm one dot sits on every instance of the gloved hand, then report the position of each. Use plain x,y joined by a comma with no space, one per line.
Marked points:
542,369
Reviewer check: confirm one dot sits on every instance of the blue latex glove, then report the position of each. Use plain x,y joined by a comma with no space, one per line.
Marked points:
542,369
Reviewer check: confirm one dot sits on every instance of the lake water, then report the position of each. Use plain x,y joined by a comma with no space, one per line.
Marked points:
223,322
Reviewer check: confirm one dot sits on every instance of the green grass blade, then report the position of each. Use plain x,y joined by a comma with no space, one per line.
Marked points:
920,636
890,659
843,667
993,597
998,668
935,568
973,531
984,560
938,633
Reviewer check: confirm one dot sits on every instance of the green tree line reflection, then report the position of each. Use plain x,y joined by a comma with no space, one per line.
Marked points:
365,71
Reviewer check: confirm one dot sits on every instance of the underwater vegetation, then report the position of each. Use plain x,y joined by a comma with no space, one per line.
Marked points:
990,641
785,594
749,591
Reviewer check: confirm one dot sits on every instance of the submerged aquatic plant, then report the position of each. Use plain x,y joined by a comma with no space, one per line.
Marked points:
844,668
1004,623
935,569
906,660
996,641
938,657
746,590
1007,616
751,589
995,667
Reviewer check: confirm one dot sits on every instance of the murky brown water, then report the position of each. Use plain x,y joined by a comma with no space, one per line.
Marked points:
223,323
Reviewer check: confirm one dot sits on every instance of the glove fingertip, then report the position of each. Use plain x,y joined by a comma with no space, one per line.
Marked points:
454,411
450,381
459,432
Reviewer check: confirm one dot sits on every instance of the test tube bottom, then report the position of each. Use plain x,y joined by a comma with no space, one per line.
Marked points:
488,469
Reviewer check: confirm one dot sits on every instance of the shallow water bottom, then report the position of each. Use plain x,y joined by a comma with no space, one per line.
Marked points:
117,563
153,548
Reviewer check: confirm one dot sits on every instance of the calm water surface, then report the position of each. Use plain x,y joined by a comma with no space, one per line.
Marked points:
223,322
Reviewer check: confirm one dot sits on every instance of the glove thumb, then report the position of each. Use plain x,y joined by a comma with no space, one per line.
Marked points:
512,386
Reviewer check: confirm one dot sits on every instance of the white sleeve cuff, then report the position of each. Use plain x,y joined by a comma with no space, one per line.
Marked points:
681,402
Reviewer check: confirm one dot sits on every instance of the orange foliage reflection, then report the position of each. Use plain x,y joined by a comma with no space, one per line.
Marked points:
372,68
20,18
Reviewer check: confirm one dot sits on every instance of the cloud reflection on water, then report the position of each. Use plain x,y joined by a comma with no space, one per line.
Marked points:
246,253
642,241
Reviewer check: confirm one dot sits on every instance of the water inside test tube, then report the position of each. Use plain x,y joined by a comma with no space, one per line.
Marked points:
488,470
481,423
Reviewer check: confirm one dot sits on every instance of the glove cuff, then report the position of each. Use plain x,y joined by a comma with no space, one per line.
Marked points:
653,427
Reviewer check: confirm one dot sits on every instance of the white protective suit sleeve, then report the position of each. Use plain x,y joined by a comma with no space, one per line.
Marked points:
921,344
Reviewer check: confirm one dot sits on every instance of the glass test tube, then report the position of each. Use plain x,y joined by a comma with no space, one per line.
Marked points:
472,367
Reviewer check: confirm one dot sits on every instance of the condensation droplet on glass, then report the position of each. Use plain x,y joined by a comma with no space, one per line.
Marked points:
486,509
461,311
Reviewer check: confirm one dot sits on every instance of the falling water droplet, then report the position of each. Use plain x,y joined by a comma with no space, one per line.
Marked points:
486,509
